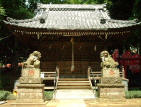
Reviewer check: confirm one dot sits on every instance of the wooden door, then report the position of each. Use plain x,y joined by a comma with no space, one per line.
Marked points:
79,72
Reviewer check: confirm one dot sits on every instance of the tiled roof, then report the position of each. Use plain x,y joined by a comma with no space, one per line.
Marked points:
71,17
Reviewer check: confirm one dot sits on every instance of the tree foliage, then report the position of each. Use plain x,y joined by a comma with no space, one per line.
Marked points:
74,1
2,11
121,9
16,9
136,13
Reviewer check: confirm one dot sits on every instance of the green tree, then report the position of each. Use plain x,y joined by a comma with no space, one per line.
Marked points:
136,13
52,1
121,9
2,11
2,14
74,1
16,9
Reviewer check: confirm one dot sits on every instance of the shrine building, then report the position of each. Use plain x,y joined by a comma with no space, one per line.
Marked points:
71,37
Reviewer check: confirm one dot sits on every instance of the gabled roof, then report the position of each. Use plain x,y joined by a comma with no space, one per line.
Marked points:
71,17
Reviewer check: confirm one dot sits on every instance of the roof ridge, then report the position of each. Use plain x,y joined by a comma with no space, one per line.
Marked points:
11,20
78,6
46,18
122,21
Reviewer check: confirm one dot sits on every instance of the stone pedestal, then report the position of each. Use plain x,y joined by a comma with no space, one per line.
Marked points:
30,93
111,84
111,91
31,72
30,89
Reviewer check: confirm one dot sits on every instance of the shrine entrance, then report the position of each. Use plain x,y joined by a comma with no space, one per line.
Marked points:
72,59
80,70
73,68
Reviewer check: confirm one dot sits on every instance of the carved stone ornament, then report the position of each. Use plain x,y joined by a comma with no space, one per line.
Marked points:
31,69
107,60
111,83
33,61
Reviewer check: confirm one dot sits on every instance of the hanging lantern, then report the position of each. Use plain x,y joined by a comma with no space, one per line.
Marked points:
8,65
20,64
3,66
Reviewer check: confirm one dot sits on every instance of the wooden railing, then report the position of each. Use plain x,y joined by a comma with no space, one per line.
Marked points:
54,76
89,76
57,77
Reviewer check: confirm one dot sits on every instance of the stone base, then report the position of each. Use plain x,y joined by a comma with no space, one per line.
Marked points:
111,80
30,80
116,91
31,72
30,93
110,72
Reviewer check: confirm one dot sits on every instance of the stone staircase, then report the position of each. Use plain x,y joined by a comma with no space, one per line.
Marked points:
73,83
74,88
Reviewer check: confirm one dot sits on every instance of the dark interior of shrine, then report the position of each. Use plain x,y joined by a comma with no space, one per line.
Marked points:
57,52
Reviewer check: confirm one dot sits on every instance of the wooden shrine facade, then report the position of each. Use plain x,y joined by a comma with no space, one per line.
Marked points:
52,29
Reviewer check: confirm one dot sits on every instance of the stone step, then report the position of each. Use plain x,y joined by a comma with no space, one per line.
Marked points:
73,79
49,87
73,87
73,83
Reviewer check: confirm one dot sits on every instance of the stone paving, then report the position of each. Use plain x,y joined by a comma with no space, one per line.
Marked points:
75,94
95,103
79,98
82,103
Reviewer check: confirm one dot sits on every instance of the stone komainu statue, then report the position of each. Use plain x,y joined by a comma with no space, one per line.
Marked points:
33,60
107,60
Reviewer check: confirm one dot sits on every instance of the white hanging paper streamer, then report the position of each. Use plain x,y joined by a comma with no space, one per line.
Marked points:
72,66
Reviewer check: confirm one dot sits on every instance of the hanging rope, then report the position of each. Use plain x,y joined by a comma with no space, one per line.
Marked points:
95,47
72,65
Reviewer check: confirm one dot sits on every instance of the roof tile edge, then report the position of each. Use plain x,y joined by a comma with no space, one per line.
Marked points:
78,6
